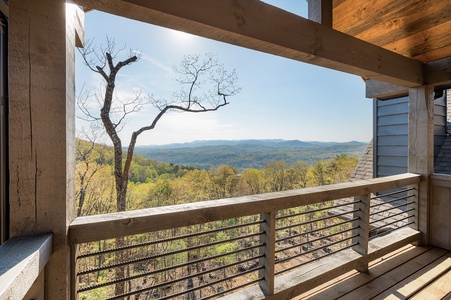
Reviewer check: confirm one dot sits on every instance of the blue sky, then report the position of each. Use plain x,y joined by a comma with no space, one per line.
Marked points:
280,98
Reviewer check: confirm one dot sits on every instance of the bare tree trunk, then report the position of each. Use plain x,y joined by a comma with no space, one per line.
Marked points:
192,70
191,295
120,242
81,200
120,270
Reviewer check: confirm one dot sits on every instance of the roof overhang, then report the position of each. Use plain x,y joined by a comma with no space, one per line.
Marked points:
256,25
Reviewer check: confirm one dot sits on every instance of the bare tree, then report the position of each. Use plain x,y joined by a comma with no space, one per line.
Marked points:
205,86
88,163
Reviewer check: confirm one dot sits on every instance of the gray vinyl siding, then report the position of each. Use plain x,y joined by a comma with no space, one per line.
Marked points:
391,134
440,123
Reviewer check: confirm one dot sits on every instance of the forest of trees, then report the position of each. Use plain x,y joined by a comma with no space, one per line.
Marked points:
153,183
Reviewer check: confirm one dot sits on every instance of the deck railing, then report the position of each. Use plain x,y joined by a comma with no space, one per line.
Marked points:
22,263
261,246
440,210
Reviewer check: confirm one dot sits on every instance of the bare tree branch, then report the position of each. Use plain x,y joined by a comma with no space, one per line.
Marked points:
205,87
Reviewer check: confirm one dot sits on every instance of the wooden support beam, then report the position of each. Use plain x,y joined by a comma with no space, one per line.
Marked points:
382,90
256,25
437,73
320,11
421,149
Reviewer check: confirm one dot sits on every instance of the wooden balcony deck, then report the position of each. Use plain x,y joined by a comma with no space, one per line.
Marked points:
411,272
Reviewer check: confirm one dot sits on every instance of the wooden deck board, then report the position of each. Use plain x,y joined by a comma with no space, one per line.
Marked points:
389,279
417,281
438,289
409,273
348,275
360,279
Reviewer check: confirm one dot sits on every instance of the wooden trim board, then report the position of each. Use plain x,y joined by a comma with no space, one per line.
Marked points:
21,261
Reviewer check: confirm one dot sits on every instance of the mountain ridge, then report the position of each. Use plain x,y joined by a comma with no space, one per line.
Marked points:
248,153
267,142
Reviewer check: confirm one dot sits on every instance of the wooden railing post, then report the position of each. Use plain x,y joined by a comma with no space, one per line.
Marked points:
363,223
413,195
74,251
268,250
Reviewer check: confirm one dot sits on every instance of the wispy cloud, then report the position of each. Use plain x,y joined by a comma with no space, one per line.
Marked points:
166,69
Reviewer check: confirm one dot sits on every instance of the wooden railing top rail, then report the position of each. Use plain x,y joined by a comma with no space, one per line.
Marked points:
441,180
21,261
106,226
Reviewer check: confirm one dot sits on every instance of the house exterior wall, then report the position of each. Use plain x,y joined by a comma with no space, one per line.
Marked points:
391,133
440,122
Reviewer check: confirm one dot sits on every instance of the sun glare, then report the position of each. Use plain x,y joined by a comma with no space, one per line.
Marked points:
181,36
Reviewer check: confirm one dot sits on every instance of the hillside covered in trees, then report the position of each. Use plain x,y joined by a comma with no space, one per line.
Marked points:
154,183
248,153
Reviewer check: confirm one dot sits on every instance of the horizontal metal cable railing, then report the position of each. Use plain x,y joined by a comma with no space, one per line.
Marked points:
209,249
205,259
302,237
391,210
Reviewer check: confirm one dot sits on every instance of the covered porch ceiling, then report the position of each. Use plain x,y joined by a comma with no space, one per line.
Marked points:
418,29
401,42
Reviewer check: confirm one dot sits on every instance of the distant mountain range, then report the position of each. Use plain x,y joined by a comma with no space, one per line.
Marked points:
247,153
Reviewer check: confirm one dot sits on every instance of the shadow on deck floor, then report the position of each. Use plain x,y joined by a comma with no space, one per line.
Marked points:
411,272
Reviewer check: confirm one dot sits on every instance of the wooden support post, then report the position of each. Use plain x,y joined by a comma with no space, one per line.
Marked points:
41,83
320,11
269,239
421,150
363,213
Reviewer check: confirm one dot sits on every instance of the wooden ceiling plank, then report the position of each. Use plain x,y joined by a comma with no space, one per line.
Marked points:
384,18
403,23
396,21
337,3
354,16
421,44
408,22
260,26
